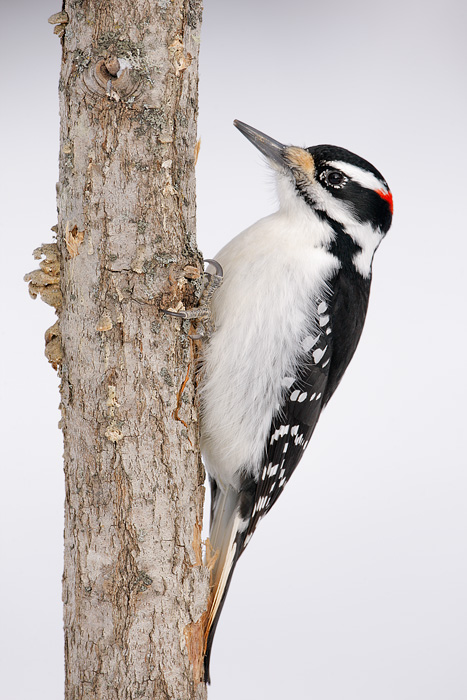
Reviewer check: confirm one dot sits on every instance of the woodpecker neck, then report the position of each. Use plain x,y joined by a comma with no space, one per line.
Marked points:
301,215
354,245
331,225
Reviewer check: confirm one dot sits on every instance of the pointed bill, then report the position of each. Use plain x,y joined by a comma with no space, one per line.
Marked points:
272,149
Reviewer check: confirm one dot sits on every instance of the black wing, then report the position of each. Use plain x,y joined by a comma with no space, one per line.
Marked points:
293,426
327,355
290,432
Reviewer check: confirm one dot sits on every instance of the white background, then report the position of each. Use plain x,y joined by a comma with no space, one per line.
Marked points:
354,587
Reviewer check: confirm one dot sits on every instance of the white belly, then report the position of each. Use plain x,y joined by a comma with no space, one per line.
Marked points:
273,275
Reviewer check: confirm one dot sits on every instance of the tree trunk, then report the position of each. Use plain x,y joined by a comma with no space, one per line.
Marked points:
134,586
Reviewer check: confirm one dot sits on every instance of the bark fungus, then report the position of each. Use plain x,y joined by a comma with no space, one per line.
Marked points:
134,586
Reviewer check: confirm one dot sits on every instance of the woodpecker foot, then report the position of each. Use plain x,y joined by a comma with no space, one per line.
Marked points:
202,313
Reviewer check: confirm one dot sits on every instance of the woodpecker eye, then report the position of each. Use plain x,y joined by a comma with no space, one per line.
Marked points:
333,178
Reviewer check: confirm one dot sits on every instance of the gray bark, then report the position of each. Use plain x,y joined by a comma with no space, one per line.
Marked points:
134,586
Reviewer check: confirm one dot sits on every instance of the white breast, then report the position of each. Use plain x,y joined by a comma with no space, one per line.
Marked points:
273,272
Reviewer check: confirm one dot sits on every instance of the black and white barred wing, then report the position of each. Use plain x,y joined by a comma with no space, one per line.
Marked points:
295,422
235,514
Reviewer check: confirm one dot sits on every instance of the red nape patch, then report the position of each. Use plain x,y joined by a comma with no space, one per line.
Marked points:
388,197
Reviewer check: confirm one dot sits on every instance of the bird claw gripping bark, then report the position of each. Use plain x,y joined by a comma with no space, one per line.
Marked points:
202,313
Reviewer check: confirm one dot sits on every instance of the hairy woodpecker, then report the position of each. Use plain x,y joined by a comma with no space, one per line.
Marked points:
287,320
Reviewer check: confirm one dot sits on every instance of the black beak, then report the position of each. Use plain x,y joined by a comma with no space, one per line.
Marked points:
269,147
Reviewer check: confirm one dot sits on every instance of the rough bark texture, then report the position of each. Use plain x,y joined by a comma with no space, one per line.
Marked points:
134,586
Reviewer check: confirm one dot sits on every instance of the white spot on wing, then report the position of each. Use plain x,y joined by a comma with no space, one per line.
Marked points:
273,469
322,307
280,432
318,354
309,342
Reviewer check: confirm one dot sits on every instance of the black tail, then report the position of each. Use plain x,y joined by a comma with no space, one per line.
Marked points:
212,629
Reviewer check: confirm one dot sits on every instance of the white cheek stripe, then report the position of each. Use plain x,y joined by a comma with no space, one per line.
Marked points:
335,208
363,177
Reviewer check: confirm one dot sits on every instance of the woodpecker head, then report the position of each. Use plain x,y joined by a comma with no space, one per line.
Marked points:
339,186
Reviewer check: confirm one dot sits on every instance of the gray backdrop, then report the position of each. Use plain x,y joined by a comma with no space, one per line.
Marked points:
354,586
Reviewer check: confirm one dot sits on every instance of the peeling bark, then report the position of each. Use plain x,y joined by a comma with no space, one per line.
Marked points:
134,586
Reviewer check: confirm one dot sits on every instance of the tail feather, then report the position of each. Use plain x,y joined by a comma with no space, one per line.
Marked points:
226,541
210,632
